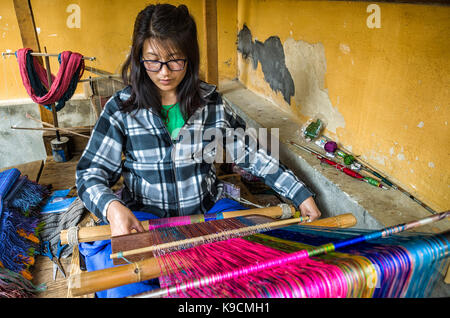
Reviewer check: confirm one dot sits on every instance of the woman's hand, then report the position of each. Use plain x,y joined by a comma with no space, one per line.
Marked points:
122,220
309,208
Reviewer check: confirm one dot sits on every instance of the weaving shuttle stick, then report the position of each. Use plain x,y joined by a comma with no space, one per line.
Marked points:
90,282
293,257
103,232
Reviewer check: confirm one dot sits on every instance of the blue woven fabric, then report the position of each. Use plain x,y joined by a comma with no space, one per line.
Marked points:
18,198
7,180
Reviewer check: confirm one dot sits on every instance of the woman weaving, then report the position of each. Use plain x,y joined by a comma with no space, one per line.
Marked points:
153,122
146,122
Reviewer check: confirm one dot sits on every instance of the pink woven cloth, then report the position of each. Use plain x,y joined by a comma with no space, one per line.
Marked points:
70,62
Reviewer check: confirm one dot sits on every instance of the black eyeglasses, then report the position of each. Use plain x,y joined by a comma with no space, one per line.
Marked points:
156,66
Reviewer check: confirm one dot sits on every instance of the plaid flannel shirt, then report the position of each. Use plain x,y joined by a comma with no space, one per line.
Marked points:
170,177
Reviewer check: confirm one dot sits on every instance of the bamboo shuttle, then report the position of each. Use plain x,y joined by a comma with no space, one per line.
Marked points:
91,282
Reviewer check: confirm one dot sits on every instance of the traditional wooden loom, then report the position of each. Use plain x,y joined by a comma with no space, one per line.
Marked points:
367,266
144,266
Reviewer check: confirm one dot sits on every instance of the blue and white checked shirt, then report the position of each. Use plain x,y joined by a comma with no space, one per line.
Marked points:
171,177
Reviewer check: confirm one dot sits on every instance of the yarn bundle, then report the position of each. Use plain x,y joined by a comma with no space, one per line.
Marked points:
34,78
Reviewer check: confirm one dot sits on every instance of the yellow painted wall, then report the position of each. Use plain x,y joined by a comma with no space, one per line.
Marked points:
106,28
384,92
9,40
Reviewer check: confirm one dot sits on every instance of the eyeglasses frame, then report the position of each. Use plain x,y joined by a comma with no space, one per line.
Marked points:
161,64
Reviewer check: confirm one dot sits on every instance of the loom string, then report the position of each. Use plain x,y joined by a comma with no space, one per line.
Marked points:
387,257
355,268
417,256
289,281
182,237
294,257
431,248
183,220
315,285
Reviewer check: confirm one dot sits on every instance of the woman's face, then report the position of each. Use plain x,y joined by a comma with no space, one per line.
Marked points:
165,79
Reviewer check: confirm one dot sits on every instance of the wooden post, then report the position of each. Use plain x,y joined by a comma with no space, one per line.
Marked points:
27,27
210,23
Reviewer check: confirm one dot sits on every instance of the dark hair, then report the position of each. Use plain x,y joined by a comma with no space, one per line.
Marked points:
173,27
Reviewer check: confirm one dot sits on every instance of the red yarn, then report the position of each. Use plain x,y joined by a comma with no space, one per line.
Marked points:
342,168
70,62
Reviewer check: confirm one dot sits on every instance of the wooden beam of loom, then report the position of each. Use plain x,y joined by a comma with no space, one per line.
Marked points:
27,27
103,232
91,282
210,23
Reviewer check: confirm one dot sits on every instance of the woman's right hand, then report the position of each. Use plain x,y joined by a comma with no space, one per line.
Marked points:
121,220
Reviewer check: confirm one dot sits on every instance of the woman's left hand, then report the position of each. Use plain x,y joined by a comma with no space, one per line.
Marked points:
309,208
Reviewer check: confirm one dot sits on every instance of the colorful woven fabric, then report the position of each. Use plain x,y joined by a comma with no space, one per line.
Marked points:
402,265
19,226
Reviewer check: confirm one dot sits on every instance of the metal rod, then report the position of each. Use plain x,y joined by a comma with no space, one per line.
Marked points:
91,58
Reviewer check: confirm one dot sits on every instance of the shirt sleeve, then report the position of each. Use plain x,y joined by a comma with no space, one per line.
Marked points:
100,164
245,150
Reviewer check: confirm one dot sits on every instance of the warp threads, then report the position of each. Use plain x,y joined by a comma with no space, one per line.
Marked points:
183,220
404,266
397,264
166,240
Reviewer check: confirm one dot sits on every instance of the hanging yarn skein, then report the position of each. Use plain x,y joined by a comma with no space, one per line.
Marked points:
34,78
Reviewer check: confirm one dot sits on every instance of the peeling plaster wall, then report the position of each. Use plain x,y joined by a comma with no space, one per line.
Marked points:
376,73
308,65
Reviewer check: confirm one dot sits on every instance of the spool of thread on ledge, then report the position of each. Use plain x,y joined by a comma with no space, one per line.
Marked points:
330,146
60,149
348,159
